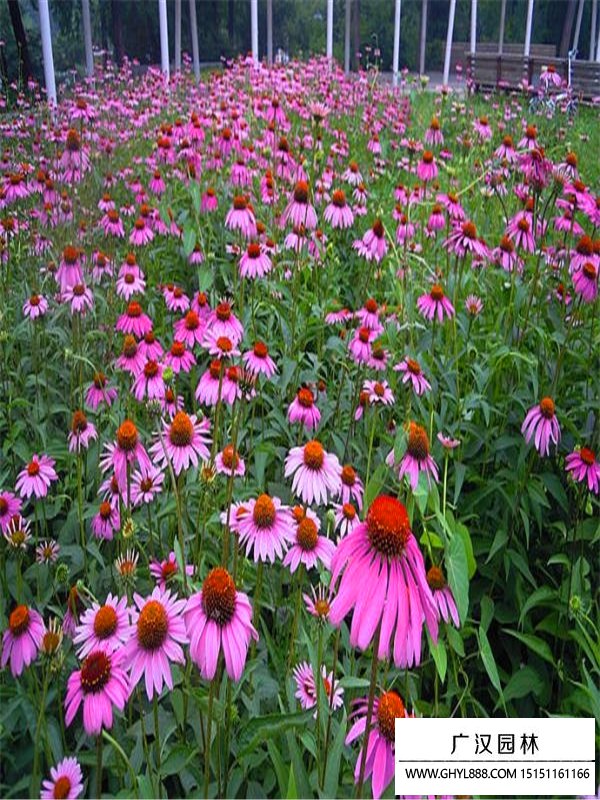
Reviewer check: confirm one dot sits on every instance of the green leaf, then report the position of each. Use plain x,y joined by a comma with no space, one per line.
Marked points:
487,612
458,575
489,662
177,759
541,597
534,643
292,792
375,484
259,729
440,656
332,772
527,680
189,240
278,766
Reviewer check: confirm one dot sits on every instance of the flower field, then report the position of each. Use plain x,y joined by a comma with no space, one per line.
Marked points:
299,428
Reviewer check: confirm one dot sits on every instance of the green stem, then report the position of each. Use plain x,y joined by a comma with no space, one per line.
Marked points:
296,615
211,693
365,747
35,780
99,766
156,731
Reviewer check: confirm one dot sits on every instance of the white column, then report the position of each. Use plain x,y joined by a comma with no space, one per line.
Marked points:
177,35
528,28
594,22
423,37
347,36
502,23
87,37
449,36
164,37
329,29
254,29
194,27
578,25
396,54
47,52
598,49
270,31
473,26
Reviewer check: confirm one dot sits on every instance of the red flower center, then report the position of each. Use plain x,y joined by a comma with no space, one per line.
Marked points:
585,246
177,349
418,442
413,366
348,475
105,622
590,271
261,350
587,456
181,431
134,310
305,397
3,506
388,526
379,232
62,787
469,230
230,457
224,344
129,278
192,321
152,625
301,192
168,569
18,622
95,672
151,369
339,198
223,311
79,290
264,512
314,455
79,422
215,369
34,300
348,511
523,225
436,293
389,710
371,306
379,389
105,510
364,335
253,250
129,349
435,578
307,534
240,203
571,158
33,469
427,157
218,596
127,436
547,407
322,608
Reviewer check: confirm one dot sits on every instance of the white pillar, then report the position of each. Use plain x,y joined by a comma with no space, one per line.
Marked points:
502,23
194,27
473,26
528,28
177,35
578,25
598,49
270,31
254,29
47,52
423,37
396,54
347,36
449,35
330,29
164,37
87,37
594,22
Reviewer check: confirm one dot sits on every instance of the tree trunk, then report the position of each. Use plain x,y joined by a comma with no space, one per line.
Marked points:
21,39
355,33
565,42
117,30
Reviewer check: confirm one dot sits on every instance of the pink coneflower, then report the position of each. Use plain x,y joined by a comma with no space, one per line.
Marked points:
306,546
483,128
149,383
70,271
383,579
142,233
132,358
17,533
346,518
98,685
519,229
163,571
373,245
219,346
299,211
412,372
433,134
134,321
337,317
107,521
103,627
435,304
316,472
266,528
549,76
80,297
318,603
583,253
223,322
175,298
228,462
66,780
124,452
22,639
436,221
303,409
381,745
209,201
183,443
255,263
585,281
338,213
37,476
112,224
351,487
82,432
36,306
210,384
442,596
150,348
427,169
10,506
417,458
130,283
541,424
352,174
47,552
306,689
447,442
360,346
179,358
506,150
506,256
190,330
99,392
258,361
473,305
157,633
379,393
146,484
219,617
583,466
241,218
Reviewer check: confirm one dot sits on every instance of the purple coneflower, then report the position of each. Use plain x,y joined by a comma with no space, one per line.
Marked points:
315,472
163,571
435,304
103,627
98,685
306,689
258,361
37,476
338,213
66,780
266,528
10,505
307,547
442,596
99,392
82,432
184,441
541,424
22,639
228,462
36,306
411,371
303,409
582,466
